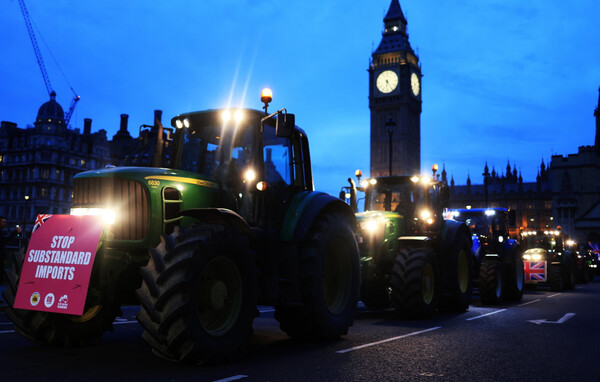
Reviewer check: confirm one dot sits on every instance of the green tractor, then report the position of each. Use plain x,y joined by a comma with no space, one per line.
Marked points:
226,219
412,258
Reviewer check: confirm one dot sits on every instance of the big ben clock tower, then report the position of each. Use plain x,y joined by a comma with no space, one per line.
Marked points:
395,100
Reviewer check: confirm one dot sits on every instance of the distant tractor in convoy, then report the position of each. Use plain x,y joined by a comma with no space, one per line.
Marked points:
411,257
226,219
498,265
590,250
548,261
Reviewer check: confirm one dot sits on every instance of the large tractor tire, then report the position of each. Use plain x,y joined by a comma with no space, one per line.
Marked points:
557,282
459,268
570,275
515,278
62,330
415,283
329,282
198,296
375,293
491,282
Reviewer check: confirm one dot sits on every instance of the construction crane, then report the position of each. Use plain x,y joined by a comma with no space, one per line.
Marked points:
40,60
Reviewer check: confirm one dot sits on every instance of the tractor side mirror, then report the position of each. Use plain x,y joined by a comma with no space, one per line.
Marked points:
284,125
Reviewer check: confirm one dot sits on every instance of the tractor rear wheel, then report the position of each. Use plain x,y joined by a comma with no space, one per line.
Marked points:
557,282
329,282
570,273
415,283
459,270
198,296
62,330
491,282
515,278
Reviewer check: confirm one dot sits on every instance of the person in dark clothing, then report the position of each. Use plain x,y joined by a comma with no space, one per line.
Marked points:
5,239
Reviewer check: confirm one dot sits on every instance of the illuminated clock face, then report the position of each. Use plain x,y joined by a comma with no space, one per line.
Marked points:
414,84
387,81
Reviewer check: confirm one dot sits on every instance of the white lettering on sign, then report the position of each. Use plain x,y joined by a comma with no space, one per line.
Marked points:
62,241
54,272
59,257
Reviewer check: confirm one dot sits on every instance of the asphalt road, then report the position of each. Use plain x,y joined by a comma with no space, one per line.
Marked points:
547,336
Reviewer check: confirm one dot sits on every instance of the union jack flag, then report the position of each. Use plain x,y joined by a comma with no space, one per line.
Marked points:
535,270
41,219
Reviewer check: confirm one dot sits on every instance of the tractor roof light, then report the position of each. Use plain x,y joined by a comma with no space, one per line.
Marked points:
364,183
490,212
373,181
415,179
266,96
181,123
226,115
238,116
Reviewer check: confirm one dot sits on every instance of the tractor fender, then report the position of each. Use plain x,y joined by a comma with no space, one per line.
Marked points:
304,207
221,216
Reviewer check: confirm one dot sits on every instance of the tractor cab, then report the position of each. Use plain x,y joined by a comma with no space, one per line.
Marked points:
244,153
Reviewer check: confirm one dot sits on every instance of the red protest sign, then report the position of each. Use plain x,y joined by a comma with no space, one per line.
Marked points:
58,264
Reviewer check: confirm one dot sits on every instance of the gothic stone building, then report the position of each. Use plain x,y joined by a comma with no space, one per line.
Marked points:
532,201
565,195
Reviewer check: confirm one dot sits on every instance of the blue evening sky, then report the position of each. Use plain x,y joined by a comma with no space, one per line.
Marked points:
504,80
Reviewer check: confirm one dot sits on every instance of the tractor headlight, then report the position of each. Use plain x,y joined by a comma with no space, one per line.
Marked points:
426,216
108,215
369,225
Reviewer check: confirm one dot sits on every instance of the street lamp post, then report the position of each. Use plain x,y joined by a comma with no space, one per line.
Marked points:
390,125
25,213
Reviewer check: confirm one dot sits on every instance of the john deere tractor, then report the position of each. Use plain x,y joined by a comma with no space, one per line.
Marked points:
225,220
412,258
498,259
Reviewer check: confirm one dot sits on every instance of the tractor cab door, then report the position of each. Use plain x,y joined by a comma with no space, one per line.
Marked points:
283,173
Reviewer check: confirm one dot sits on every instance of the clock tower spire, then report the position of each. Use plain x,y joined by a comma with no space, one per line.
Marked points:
395,100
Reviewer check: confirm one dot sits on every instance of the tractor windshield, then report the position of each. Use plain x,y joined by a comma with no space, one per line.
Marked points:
547,242
224,149
401,197
215,151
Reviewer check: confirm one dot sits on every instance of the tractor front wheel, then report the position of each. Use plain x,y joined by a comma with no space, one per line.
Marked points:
62,330
491,282
459,268
415,283
198,296
329,282
515,278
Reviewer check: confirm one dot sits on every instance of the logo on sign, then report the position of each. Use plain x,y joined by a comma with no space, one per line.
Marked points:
49,300
34,299
63,302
